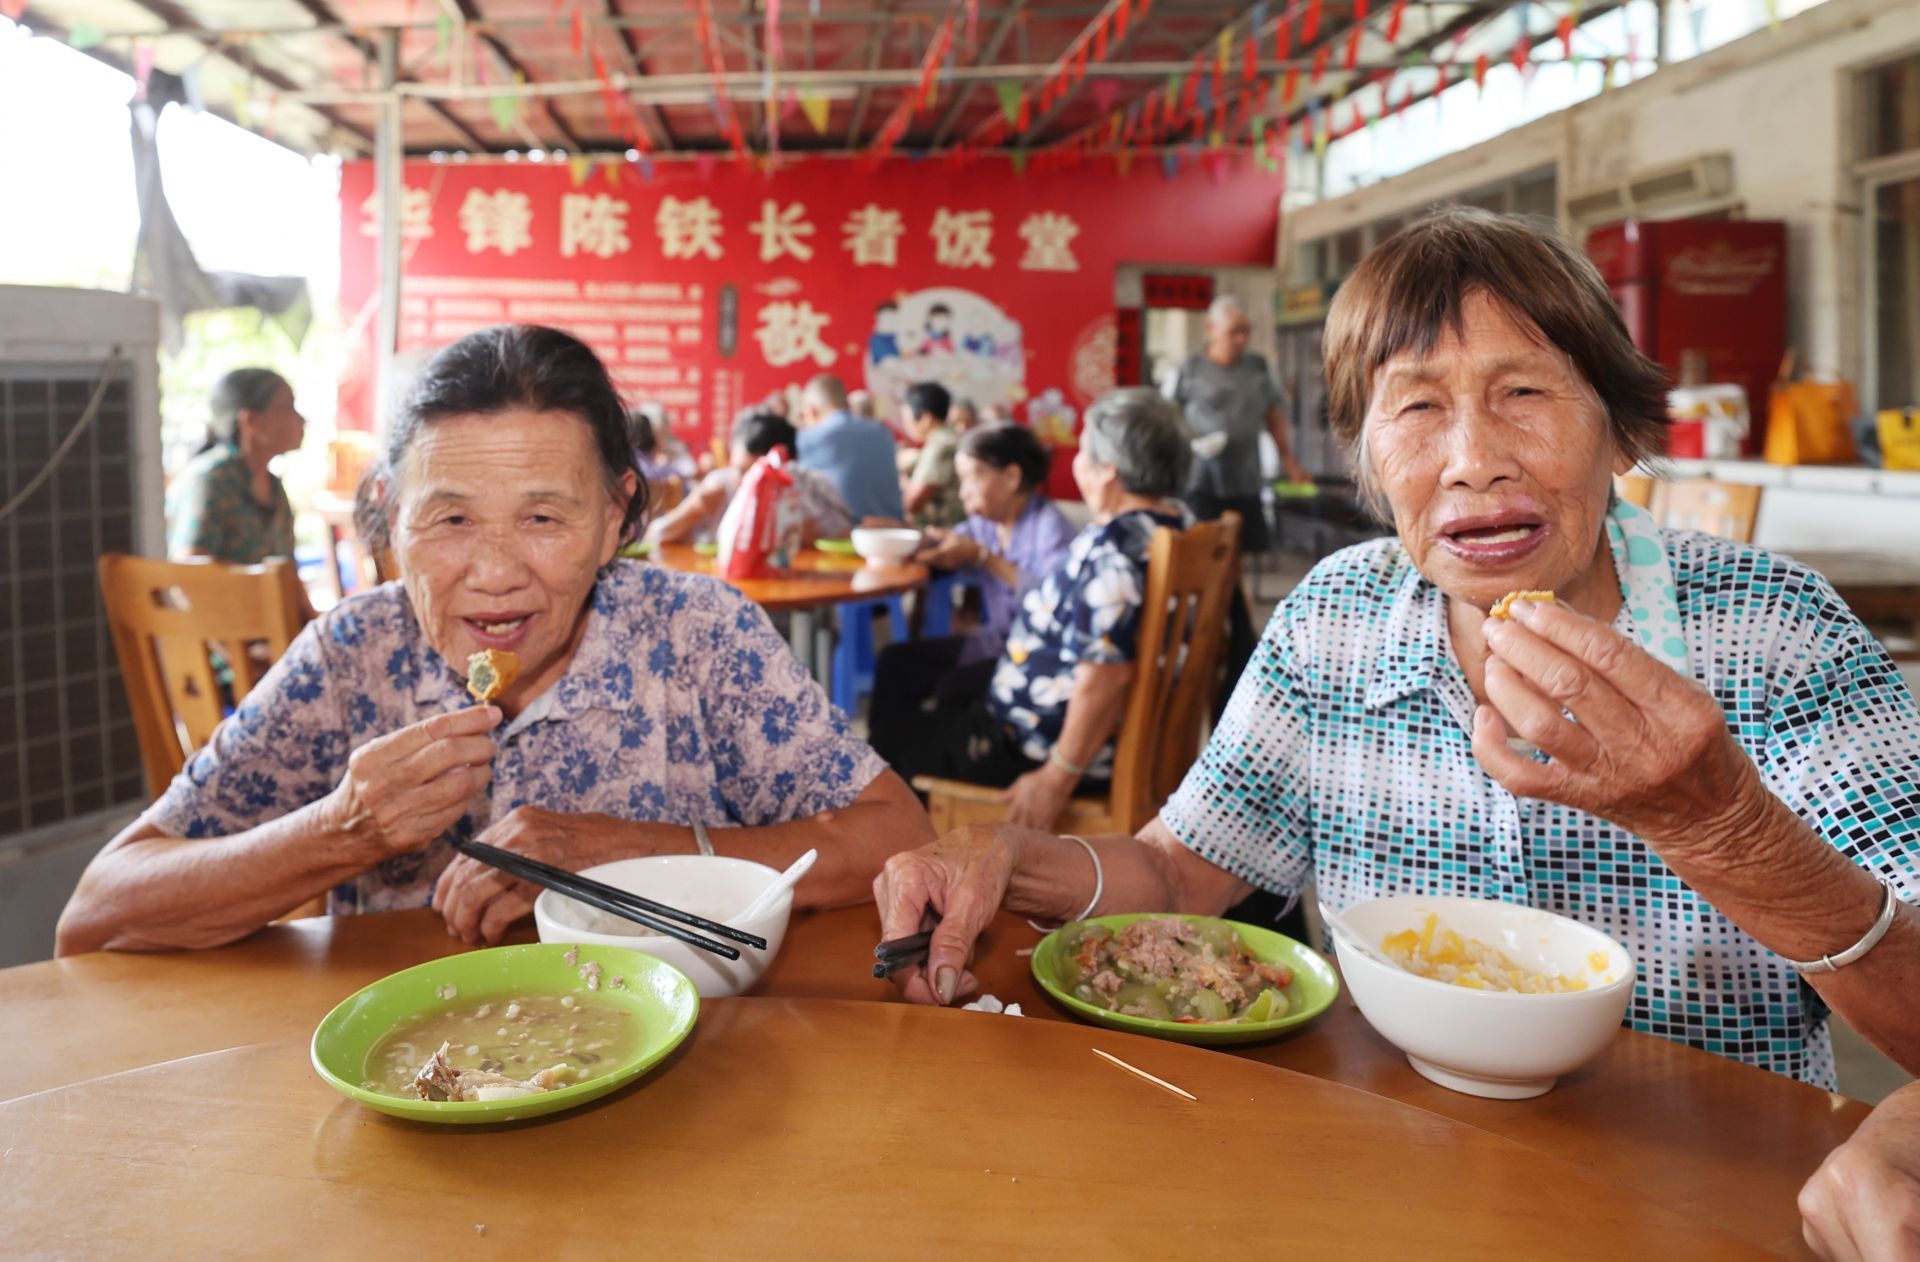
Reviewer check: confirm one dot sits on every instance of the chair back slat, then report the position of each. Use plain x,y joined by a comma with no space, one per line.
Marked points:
1190,582
1728,509
167,619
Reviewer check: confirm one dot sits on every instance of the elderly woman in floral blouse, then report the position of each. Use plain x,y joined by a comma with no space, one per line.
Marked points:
651,706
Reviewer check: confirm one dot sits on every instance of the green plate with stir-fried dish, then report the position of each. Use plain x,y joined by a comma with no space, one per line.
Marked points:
1192,979
506,1033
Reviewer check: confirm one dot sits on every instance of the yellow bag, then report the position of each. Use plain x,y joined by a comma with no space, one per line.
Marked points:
1899,438
1809,422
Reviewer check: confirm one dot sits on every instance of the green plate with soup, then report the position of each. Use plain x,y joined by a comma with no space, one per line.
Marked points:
1210,958
527,1031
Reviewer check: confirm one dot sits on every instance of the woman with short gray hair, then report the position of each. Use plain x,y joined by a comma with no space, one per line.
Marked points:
1049,717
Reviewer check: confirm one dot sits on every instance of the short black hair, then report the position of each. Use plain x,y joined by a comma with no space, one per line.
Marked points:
760,432
999,446
939,308
523,366
929,398
640,435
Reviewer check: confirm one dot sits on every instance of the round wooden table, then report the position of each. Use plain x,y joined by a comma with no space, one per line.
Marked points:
798,1124
815,581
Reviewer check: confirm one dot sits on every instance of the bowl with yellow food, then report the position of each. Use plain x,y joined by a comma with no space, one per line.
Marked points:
1486,998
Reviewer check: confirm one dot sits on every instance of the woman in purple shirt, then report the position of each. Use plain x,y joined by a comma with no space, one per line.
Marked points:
1012,538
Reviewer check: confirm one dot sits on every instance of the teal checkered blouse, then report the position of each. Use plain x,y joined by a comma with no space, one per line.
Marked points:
1345,759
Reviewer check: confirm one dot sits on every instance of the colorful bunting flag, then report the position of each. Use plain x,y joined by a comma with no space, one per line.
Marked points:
13,8
1292,88
1009,94
1352,56
1024,119
580,167
1018,158
1311,27
704,163
1480,72
1393,21
81,36
142,68
816,107
1283,40
1249,61
1104,91
1319,64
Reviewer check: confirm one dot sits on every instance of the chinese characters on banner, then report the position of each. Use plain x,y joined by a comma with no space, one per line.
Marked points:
705,293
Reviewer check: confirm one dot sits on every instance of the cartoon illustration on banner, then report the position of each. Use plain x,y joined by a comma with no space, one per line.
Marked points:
956,337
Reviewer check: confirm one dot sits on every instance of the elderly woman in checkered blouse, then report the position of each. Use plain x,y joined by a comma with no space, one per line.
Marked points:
1698,750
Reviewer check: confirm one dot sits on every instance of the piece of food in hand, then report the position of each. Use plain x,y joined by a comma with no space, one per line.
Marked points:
1503,608
491,672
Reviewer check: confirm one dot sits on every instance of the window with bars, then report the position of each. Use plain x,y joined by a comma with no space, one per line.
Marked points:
67,742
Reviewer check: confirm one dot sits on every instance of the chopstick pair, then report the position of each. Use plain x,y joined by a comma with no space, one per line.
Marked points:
897,954
658,917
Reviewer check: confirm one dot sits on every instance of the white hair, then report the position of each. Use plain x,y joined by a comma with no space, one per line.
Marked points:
1225,308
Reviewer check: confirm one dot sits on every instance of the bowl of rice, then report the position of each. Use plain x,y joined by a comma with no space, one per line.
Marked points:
1486,998
713,886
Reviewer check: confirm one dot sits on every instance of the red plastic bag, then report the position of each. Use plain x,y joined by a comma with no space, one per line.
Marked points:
752,542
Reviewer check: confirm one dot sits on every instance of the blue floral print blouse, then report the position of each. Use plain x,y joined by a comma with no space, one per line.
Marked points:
1087,610
681,704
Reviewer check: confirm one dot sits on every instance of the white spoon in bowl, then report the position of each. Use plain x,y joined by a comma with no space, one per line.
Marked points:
781,884
1348,934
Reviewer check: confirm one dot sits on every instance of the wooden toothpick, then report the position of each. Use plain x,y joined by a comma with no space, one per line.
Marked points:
1141,1073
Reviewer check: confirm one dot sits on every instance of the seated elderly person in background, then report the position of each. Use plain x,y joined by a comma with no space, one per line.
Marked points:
1012,538
823,514
650,706
1698,749
226,503
659,457
1057,695
856,455
930,488
962,416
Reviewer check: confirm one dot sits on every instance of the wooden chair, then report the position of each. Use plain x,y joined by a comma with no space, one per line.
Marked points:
1728,509
166,617
1635,489
1190,580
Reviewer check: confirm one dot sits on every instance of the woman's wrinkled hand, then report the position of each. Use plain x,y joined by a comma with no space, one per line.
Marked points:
479,903
1863,1204
1644,747
404,789
1036,799
959,881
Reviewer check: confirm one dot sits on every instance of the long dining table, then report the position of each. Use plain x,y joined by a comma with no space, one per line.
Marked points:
163,1105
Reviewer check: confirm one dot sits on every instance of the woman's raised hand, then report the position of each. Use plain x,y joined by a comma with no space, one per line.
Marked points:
959,881
1645,747
406,788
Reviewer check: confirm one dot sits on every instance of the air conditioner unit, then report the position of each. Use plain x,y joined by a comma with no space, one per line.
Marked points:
1700,181
69,759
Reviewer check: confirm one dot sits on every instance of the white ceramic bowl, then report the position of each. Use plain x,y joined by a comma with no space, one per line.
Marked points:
709,885
1501,1045
885,545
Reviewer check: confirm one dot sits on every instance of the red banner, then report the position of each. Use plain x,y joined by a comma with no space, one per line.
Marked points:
705,294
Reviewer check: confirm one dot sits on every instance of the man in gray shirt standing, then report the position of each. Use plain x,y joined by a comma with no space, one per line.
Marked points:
1227,391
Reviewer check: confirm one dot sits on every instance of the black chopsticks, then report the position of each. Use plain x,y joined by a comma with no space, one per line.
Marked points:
656,916
901,953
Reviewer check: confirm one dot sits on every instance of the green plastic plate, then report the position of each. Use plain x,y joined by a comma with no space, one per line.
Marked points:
1315,985
838,547
657,992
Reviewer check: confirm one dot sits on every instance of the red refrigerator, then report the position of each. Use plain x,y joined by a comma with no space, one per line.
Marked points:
1719,288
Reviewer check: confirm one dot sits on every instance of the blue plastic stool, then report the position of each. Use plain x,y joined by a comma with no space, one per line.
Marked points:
942,594
853,653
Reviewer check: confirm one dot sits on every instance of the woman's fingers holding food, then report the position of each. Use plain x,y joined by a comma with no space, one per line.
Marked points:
1531,715
1578,674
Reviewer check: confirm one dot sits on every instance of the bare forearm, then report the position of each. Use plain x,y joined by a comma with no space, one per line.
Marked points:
854,843
1053,878
147,891
1798,896
1094,710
